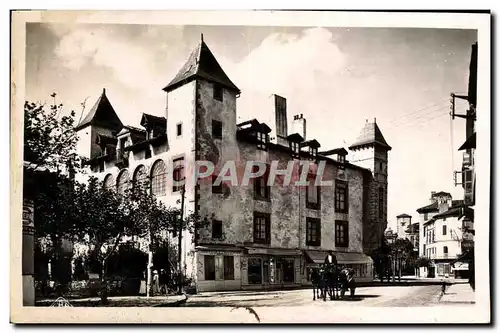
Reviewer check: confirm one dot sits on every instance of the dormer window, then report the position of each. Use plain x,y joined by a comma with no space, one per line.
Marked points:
262,140
151,133
295,147
313,152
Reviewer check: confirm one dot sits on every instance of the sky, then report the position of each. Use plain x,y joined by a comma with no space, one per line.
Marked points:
336,77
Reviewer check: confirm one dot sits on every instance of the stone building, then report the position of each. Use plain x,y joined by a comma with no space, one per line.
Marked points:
442,236
261,235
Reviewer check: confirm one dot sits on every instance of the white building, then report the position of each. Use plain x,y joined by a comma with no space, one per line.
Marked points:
442,239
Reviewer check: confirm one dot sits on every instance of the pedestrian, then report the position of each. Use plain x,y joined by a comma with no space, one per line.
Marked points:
156,282
163,281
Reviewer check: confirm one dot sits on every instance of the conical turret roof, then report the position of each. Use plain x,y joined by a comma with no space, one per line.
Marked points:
102,114
370,135
201,64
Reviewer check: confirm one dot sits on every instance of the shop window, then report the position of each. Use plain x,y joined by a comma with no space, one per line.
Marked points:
254,271
209,268
288,270
228,268
219,268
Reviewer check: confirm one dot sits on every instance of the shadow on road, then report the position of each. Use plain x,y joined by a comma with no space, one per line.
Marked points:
356,298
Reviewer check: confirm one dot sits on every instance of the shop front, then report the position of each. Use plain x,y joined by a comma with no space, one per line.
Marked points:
264,268
359,262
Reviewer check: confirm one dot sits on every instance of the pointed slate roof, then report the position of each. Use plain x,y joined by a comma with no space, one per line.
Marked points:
201,64
370,135
102,114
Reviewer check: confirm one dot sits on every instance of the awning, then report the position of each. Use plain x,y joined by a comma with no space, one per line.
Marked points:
318,257
461,266
273,252
469,143
218,248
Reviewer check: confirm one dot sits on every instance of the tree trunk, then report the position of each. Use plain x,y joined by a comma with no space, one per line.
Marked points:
149,272
104,283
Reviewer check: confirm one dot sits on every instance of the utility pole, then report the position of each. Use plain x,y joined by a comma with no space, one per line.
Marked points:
150,264
179,254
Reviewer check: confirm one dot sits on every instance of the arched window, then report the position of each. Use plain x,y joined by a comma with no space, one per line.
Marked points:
140,177
109,182
122,182
158,178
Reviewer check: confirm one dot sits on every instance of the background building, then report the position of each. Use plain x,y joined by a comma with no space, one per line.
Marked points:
441,236
403,221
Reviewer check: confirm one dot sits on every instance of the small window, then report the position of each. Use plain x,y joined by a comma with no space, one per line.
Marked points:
295,147
313,232
228,268
426,216
218,92
217,129
261,190
209,268
444,230
261,228
313,152
147,154
178,173
341,197
216,229
445,250
216,188
341,233
262,141
179,129
313,193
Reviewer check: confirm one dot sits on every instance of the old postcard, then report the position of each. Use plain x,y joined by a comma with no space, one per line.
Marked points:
271,167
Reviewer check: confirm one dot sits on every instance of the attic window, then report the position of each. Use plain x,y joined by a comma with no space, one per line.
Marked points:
295,147
313,151
151,133
262,140
218,92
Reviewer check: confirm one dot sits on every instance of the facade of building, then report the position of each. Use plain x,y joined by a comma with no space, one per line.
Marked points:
403,222
468,173
442,239
261,236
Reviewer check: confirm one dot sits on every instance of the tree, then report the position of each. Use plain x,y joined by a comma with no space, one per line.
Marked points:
49,137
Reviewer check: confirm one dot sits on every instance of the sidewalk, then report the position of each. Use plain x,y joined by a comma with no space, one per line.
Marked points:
458,294
122,301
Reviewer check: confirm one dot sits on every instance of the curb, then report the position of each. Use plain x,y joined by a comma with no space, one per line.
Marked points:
172,304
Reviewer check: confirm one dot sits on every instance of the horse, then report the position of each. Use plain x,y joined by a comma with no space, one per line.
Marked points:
346,281
316,276
331,278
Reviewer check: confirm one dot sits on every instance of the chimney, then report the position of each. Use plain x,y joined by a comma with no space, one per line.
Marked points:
433,200
299,125
281,120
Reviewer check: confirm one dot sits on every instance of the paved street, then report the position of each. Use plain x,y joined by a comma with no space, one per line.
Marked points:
391,296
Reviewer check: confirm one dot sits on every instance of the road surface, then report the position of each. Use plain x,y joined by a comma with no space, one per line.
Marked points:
390,296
